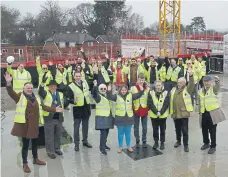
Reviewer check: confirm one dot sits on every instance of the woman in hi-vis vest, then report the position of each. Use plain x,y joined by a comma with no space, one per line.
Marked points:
103,118
28,116
124,117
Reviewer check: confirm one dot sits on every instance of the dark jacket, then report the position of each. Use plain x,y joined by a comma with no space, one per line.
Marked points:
125,120
152,72
102,122
165,106
79,112
53,115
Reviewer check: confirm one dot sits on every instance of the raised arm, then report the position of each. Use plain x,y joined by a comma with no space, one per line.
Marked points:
191,84
38,65
42,92
10,91
95,93
111,96
9,69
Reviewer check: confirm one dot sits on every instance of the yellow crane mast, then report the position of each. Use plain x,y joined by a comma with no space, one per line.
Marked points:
169,27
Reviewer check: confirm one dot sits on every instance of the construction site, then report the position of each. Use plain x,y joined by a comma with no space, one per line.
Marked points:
81,160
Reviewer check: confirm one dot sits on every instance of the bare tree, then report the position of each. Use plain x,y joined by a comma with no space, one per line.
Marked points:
134,24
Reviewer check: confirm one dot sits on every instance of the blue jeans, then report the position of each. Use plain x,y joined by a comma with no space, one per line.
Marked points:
124,130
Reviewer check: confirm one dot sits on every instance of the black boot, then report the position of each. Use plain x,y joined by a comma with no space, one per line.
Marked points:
137,144
162,146
155,146
144,144
177,144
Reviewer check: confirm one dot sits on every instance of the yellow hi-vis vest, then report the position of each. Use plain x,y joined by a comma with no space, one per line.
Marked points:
21,108
105,75
48,75
195,74
187,100
202,69
208,101
48,101
158,104
162,73
148,74
142,100
103,108
123,107
69,73
19,78
173,74
79,94
60,77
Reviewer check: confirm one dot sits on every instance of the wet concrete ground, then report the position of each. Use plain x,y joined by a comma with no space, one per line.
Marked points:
90,163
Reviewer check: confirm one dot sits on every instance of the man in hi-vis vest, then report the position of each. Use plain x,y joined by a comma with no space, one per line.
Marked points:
209,103
140,109
158,103
180,108
79,96
20,77
28,117
52,120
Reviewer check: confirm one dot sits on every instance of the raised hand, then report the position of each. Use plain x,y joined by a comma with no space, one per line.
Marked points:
109,87
82,50
59,109
141,87
8,78
38,57
95,83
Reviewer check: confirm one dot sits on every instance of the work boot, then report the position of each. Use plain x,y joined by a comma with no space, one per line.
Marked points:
87,145
26,168
76,148
211,150
137,144
107,148
103,152
177,144
144,145
155,146
38,162
186,149
58,152
162,146
52,156
205,146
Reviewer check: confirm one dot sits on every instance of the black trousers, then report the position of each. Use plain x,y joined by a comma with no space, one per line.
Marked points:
181,126
208,126
103,138
159,124
25,147
85,128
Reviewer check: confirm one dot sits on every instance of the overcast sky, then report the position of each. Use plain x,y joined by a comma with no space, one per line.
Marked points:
215,13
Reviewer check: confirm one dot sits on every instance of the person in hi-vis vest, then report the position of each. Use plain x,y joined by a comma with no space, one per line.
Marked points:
28,117
124,116
180,108
209,102
103,118
20,77
173,74
53,120
140,108
43,72
69,71
158,103
78,94
100,71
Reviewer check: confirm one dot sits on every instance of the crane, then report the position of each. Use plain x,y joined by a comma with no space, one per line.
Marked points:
169,27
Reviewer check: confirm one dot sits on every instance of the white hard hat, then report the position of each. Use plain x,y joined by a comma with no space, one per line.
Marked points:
10,59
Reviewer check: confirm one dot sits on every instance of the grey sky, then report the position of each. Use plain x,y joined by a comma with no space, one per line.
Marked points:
215,13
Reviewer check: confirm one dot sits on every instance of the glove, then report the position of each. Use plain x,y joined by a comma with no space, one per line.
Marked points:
44,78
158,114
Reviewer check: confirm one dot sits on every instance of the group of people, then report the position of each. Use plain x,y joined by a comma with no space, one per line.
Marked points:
124,94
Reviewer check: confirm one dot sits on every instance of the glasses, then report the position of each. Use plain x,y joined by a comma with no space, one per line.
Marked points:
188,63
180,60
44,68
103,88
